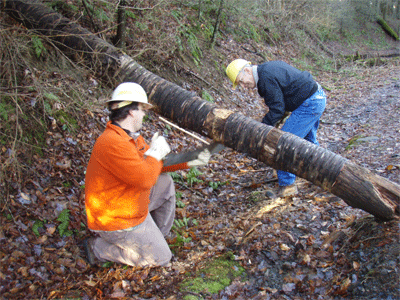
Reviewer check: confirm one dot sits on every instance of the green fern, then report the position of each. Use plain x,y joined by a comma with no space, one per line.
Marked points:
63,227
191,39
191,176
130,14
5,109
51,96
206,96
176,177
35,227
38,46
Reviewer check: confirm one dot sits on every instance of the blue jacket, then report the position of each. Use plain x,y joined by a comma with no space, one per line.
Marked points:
284,88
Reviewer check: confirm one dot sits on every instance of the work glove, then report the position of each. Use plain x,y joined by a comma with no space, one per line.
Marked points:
201,160
159,147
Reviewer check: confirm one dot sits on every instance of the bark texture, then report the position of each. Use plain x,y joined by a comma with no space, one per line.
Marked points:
357,186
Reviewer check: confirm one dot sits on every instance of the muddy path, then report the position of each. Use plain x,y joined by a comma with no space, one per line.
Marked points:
314,246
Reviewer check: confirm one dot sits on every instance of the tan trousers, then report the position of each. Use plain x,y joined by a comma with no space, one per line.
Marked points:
143,245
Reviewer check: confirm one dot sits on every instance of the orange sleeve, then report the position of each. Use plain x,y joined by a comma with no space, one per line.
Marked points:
125,160
174,168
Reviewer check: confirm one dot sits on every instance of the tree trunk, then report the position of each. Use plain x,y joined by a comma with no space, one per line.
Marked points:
121,19
357,186
217,23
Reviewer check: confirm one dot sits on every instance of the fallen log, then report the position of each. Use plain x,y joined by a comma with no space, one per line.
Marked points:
386,27
357,186
373,57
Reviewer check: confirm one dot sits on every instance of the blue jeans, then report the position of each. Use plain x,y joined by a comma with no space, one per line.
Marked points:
304,122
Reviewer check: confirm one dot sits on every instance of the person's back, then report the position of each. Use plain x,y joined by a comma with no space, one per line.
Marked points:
295,85
118,181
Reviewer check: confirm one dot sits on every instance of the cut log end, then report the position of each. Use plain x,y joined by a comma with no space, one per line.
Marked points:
362,189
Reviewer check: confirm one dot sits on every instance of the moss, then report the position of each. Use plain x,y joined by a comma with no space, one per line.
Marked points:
6,108
66,120
385,26
215,275
256,196
32,129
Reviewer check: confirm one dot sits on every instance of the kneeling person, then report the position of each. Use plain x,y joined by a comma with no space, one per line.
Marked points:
129,203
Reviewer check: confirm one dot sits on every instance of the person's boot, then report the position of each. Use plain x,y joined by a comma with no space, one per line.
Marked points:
88,248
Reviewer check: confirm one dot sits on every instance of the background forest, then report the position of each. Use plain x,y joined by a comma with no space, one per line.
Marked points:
52,110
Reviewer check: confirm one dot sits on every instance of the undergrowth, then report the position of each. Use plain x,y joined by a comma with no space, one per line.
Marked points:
40,91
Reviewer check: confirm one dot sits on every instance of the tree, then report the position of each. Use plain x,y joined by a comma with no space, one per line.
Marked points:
217,22
357,186
121,18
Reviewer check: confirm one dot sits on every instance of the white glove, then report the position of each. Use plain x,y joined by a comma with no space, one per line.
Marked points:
155,136
201,160
159,147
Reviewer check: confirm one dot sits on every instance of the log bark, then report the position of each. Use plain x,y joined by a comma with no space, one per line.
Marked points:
357,186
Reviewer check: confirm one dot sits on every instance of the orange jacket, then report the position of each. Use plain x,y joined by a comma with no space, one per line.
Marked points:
118,181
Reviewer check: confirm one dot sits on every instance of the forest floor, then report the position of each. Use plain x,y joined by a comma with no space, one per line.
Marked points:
310,246
230,240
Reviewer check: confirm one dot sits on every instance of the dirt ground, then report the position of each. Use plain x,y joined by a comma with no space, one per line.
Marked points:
314,246
311,246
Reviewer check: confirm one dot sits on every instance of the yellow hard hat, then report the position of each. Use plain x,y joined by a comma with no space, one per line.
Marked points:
127,93
233,69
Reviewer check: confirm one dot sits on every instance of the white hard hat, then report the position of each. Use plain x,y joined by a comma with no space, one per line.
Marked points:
127,93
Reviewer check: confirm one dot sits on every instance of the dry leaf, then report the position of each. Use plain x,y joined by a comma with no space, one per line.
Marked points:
155,278
24,271
284,247
344,286
90,282
42,239
51,230
310,240
320,199
356,265
384,242
305,260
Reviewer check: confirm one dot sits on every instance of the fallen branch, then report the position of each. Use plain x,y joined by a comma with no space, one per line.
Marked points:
183,130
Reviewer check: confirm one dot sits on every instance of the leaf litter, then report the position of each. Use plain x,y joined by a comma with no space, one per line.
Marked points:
310,246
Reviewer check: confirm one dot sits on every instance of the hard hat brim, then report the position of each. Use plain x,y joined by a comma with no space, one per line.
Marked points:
146,105
126,103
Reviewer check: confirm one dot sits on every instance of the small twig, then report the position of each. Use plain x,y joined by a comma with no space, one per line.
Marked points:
205,81
246,236
183,130
197,76
255,183
190,189
256,171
